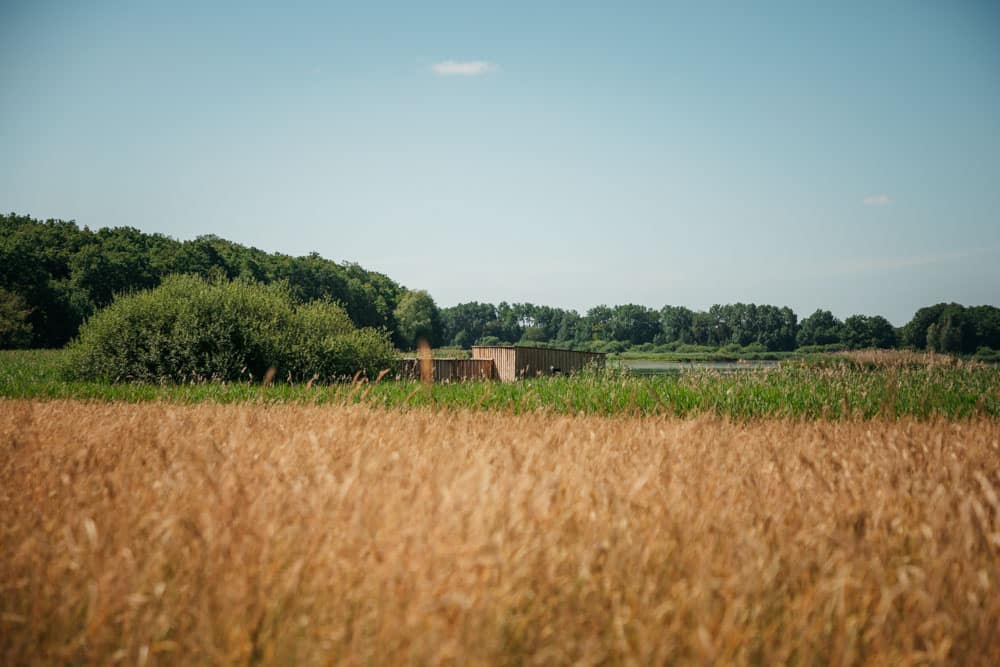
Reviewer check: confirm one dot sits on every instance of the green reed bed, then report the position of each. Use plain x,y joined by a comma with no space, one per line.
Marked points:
837,390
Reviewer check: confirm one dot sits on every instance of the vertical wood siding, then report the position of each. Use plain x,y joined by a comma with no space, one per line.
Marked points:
503,358
513,363
450,370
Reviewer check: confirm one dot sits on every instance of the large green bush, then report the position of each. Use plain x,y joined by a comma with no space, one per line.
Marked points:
192,329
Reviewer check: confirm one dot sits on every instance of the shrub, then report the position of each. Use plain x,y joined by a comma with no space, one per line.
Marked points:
330,355
987,354
608,346
192,329
697,349
813,349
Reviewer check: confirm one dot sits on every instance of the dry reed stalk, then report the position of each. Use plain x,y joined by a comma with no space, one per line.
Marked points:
906,358
426,358
167,534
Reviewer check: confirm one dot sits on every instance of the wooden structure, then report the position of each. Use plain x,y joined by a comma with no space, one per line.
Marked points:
504,362
516,362
450,370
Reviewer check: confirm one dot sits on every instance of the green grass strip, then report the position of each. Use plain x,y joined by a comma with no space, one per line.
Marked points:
794,389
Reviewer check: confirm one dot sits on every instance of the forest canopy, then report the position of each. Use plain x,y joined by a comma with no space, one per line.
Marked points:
63,273
54,275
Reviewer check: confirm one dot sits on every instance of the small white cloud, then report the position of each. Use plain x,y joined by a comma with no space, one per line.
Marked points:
463,67
877,200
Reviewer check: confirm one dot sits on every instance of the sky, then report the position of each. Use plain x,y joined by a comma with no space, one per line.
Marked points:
844,157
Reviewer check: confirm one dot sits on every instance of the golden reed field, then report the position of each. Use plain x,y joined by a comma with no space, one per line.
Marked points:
250,534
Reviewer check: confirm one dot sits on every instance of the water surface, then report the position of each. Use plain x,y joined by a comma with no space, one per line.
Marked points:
656,367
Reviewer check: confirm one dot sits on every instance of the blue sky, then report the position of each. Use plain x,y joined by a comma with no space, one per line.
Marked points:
845,157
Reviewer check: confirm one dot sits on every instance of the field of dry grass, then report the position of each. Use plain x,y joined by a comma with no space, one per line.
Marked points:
223,534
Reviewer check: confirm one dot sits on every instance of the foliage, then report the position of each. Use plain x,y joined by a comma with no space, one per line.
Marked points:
325,344
15,330
953,328
861,331
418,318
634,324
820,328
813,349
489,341
748,327
988,355
915,331
339,356
676,324
986,326
467,323
190,329
34,264
64,272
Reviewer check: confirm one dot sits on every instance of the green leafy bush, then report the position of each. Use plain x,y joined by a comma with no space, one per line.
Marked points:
489,340
192,329
607,346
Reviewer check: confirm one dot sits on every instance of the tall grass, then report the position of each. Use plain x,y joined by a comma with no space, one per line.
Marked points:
799,390
162,534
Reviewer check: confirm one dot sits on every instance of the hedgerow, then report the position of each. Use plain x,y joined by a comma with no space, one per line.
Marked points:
191,329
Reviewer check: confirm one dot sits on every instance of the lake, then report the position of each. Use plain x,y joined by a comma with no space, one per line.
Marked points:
656,367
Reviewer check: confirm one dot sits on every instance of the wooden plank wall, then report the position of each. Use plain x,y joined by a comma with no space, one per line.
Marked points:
504,363
450,370
504,360
513,363
532,361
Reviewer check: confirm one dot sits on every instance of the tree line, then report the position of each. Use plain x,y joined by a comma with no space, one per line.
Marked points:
54,274
951,328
